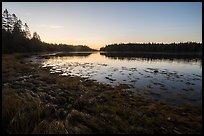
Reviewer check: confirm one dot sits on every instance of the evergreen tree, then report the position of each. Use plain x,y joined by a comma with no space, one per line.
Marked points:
27,31
17,30
6,21
14,20
36,36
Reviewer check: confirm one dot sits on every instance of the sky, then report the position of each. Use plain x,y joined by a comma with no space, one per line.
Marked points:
97,24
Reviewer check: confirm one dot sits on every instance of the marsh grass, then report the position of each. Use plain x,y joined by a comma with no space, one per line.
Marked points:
72,105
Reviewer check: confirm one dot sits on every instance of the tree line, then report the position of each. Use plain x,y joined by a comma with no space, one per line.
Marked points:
185,47
16,37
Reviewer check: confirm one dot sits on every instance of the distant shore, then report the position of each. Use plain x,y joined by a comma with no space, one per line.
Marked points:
162,53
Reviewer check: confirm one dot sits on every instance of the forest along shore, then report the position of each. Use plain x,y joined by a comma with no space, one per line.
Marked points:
35,101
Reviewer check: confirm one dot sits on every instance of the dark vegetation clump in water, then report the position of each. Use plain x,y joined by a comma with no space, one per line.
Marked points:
35,101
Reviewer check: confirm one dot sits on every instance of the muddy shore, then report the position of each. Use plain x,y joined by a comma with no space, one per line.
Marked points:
35,101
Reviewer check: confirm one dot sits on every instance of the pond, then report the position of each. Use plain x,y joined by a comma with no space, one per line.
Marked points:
171,78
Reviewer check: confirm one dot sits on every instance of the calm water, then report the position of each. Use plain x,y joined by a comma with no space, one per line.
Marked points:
171,79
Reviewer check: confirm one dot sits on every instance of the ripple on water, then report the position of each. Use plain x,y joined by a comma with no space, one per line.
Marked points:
139,77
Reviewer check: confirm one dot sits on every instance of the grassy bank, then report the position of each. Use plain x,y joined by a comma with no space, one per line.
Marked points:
35,101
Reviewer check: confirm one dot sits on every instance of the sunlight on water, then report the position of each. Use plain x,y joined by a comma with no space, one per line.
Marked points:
170,80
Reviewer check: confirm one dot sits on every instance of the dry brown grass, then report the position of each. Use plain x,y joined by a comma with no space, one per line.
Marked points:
90,108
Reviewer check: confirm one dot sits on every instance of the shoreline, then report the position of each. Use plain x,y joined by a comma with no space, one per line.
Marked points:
57,104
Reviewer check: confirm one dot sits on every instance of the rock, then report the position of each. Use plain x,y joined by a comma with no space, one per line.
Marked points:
156,71
110,79
169,118
188,83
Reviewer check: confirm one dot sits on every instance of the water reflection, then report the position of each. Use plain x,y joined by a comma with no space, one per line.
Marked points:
154,57
173,79
81,54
